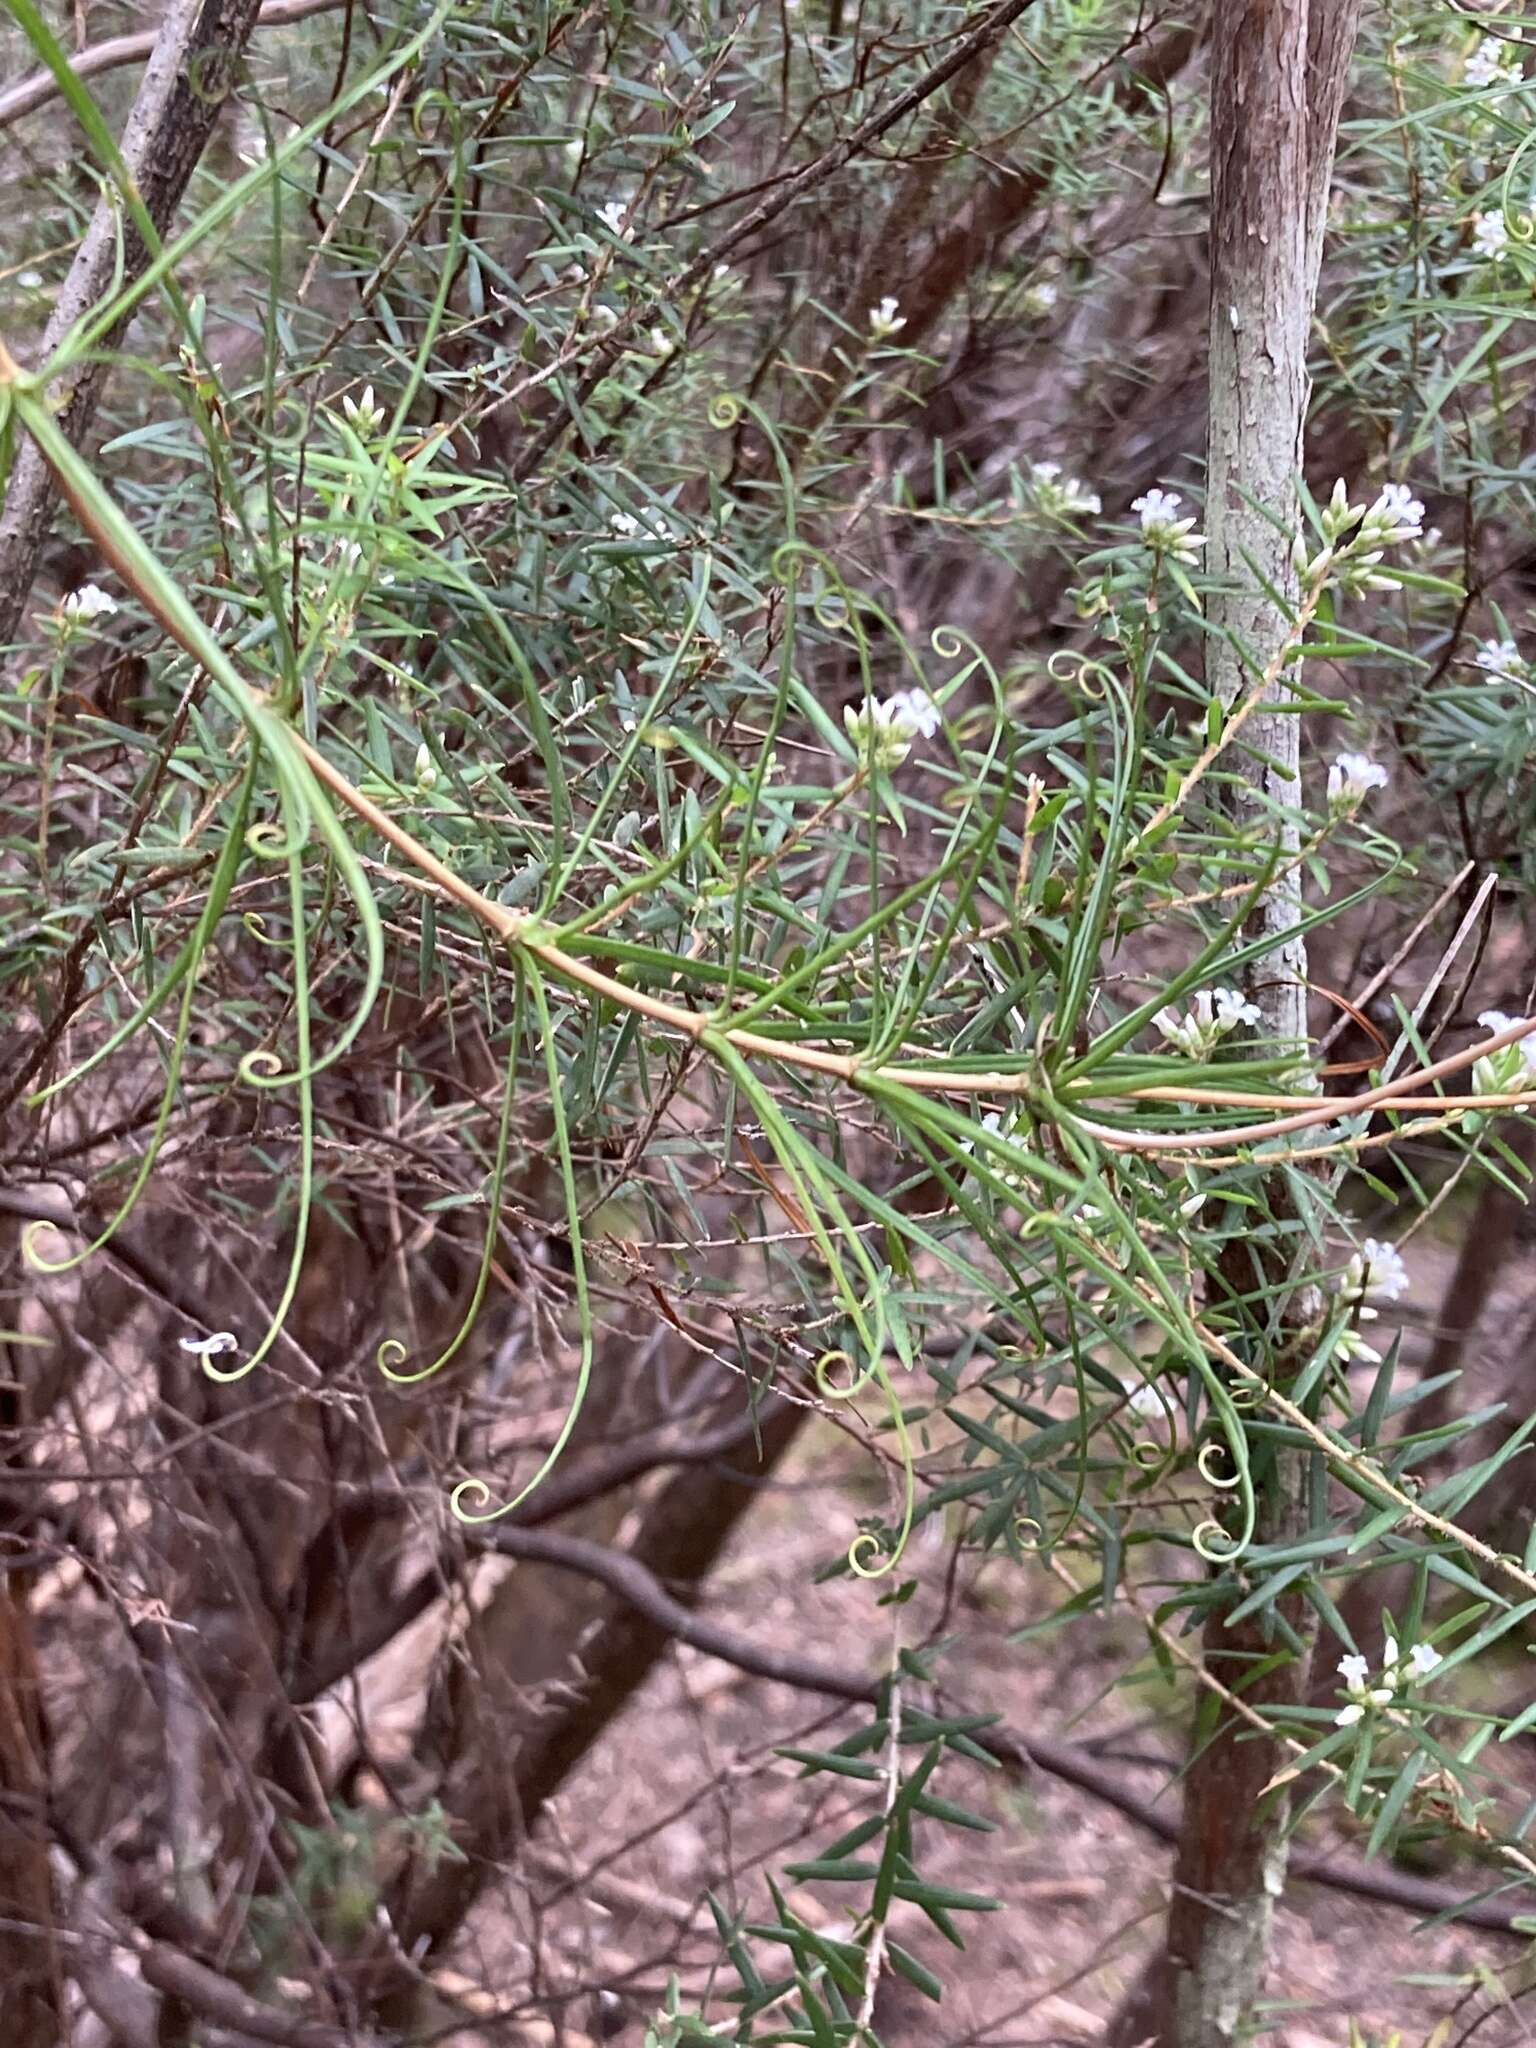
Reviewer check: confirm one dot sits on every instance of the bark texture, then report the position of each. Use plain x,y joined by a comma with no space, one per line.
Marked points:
185,84
1279,74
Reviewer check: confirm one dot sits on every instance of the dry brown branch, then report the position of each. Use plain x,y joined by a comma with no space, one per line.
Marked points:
117,51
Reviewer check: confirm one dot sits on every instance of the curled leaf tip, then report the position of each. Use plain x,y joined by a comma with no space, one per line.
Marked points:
210,1347
480,1491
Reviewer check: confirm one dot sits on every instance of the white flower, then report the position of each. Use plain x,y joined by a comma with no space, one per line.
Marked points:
1396,516
883,731
612,217
1338,514
624,523
1351,778
1501,659
1355,564
1006,1128
1163,530
1040,300
1145,1400
884,320
364,411
30,280
1356,1674
662,343
1211,1015
1233,1009
210,1347
1375,1272
1500,1020
1493,62
1512,1067
1389,1651
89,602
918,710
1061,498
1490,236
1422,1659
875,732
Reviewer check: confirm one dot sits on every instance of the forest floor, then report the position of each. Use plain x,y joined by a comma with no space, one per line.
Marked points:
684,1796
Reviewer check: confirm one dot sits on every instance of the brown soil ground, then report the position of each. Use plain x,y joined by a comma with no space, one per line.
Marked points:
685,1796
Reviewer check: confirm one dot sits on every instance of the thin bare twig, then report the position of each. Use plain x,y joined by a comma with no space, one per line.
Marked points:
36,91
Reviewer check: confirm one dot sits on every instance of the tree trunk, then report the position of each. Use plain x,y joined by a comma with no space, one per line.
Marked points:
1277,87
189,73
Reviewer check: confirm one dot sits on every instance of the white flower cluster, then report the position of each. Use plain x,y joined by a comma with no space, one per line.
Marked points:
1396,1675
1396,516
885,319
1351,779
612,216
1039,300
1007,1127
1490,235
1198,1030
1502,660
86,604
1355,537
363,412
1511,1069
883,729
1493,62
1164,532
648,526
1375,1272
1061,497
